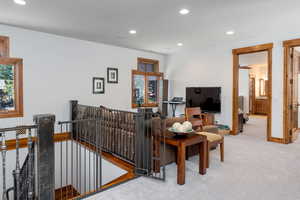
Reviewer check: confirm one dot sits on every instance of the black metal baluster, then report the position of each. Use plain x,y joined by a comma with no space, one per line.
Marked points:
95,139
3,152
61,164
164,148
100,156
77,156
70,130
30,167
17,170
80,152
85,136
89,151
67,164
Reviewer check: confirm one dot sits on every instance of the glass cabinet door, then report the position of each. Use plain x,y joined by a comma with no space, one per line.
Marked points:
152,85
138,89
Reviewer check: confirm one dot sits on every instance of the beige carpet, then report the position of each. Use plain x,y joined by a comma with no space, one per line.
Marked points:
256,127
253,170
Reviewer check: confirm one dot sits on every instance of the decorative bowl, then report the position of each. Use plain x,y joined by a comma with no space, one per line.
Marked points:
177,133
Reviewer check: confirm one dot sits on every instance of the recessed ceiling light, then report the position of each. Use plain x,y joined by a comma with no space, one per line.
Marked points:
179,44
20,2
184,11
231,32
132,32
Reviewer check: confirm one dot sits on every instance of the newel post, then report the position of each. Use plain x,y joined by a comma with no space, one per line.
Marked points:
143,147
73,109
45,156
73,115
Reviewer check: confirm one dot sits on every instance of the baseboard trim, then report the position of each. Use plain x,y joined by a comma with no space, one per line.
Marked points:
277,140
271,139
232,133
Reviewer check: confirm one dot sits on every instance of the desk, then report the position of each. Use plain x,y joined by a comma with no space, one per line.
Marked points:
181,143
174,105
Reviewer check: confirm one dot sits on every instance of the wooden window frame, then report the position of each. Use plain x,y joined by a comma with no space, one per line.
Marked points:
4,46
145,74
18,82
149,61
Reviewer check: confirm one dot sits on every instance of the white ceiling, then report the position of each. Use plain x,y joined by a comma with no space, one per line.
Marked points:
159,25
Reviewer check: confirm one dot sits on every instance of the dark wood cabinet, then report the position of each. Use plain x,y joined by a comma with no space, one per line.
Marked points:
261,106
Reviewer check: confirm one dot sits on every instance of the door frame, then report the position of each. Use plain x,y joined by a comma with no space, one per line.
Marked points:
287,45
252,97
235,86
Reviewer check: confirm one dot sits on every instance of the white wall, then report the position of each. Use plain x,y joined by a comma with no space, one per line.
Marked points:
244,87
58,69
199,65
260,58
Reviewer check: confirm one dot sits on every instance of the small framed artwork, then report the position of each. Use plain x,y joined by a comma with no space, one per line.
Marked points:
112,75
98,85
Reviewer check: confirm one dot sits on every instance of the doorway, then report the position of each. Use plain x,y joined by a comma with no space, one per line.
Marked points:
291,90
267,85
253,89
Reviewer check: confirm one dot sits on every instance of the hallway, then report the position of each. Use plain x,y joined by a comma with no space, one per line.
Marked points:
256,127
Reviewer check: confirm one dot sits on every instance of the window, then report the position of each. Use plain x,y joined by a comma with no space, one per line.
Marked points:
11,87
148,65
145,85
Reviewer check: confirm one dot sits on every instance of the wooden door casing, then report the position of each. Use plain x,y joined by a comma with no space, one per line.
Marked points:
289,110
235,86
252,95
293,74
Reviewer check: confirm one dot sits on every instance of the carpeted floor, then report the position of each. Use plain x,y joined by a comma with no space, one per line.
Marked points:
253,170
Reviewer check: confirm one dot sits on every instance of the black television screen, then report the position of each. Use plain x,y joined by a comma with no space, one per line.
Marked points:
207,98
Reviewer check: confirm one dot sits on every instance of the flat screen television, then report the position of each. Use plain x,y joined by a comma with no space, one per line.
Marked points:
207,98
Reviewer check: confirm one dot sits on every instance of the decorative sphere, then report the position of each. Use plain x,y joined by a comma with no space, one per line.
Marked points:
187,126
181,129
176,126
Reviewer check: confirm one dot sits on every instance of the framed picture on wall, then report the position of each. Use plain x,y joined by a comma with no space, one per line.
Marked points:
112,75
98,85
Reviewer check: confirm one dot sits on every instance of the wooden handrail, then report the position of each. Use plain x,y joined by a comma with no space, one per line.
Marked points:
58,137
17,128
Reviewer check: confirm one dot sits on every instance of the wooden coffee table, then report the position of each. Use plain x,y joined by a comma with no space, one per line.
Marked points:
182,143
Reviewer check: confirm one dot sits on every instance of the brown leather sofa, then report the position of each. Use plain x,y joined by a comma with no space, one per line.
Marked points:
170,151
